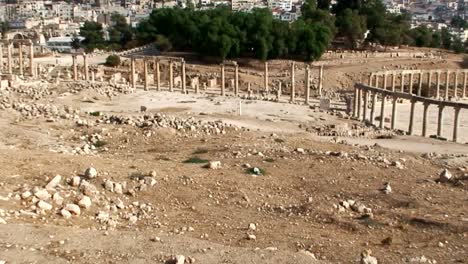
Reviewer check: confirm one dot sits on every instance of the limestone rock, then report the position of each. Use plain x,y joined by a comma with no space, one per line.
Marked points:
85,202
73,208
54,182
91,173
65,213
44,205
214,165
42,194
445,176
366,258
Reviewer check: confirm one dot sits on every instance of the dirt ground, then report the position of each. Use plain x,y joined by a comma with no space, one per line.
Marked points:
282,194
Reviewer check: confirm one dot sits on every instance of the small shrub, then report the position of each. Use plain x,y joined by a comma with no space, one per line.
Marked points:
100,143
113,60
200,151
196,160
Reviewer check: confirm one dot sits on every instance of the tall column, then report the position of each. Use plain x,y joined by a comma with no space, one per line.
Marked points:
1,57
382,112
320,80
421,74
75,68
31,58
393,81
145,74
411,121
411,83
424,124
394,111
132,72
455,123
9,60
265,80
223,80
236,80
359,104
364,114
376,85
20,58
385,81
86,70
356,98
307,84
455,86
465,81
293,87
158,76
370,79
447,85
372,113
402,88
438,85
429,84
171,76
440,120
184,80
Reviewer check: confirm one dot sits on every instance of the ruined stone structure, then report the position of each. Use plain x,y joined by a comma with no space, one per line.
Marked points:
416,86
19,67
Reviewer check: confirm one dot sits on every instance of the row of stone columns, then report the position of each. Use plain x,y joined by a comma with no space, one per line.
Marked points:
157,74
361,106
307,83
10,47
85,66
453,80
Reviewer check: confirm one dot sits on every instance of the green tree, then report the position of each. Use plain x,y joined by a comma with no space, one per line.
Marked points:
163,43
120,32
446,38
459,22
92,33
457,46
113,60
76,42
352,26
4,27
324,4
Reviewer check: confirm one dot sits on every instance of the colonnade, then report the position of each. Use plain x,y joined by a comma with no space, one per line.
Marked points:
366,95
85,66
429,83
10,44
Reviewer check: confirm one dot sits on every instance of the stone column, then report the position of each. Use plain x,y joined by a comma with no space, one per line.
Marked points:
402,88
370,79
320,80
376,85
132,73
31,58
184,78
440,120
265,80
359,103
171,76
455,86
411,122
75,68
86,70
385,81
465,81
438,85
9,60
382,112
20,58
447,85
236,80
372,113
1,57
424,124
293,87
429,84
421,74
145,74
356,98
394,111
393,81
411,83
307,85
93,76
455,123
158,76
223,80
364,111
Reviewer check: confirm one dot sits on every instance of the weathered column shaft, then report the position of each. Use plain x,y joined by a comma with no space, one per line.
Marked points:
86,66
223,80
145,74
402,88
158,76
236,80
411,83
132,73
424,123
455,85
440,120
184,78
293,85
382,112
372,113
411,121
307,84
429,84
171,76
385,81
359,104
393,81
465,81
31,59
20,58
364,111
356,98
320,84
456,123
75,68
420,82
9,60
447,85
370,79
376,81
437,85
1,57
394,111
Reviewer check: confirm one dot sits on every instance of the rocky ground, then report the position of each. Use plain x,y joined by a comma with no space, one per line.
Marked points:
90,174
